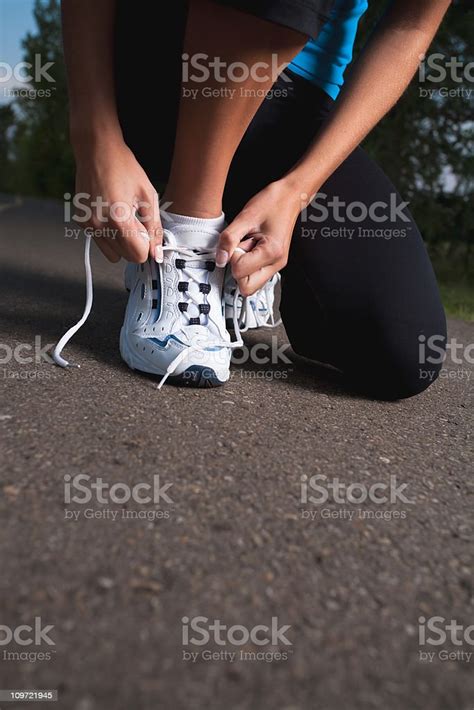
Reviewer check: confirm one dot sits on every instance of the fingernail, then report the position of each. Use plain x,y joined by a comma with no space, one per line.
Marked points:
222,257
159,254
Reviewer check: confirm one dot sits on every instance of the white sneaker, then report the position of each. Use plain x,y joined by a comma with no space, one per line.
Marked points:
174,322
256,311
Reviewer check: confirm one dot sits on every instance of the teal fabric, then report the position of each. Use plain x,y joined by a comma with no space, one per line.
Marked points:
324,60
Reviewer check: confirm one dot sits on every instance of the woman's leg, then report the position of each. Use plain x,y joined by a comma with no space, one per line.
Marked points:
150,69
375,302
240,54
361,299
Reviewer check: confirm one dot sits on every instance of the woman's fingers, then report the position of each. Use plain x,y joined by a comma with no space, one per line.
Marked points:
149,214
253,267
231,237
107,249
265,253
133,239
104,236
249,284
120,234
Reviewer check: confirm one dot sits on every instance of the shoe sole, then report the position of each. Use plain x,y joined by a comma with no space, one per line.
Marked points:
198,376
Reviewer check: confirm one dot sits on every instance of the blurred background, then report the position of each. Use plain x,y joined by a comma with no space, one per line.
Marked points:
425,144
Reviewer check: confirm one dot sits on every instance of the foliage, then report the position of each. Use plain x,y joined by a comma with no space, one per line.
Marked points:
424,144
40,160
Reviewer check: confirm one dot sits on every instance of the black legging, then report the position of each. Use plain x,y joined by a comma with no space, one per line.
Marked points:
359,301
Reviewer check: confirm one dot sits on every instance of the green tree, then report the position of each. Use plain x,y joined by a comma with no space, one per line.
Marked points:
426,144
7,119
41,152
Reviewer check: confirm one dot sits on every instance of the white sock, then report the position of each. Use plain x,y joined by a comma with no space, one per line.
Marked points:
194,231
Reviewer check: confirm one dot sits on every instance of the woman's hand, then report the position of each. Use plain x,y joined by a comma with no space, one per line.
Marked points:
113,185
268,219
112,191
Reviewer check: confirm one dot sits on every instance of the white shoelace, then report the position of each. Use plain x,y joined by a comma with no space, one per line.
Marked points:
200,254
265,295
87,309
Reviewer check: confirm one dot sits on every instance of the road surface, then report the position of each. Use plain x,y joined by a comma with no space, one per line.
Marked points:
239,537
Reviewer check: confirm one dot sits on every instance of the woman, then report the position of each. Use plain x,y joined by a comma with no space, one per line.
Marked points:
179,98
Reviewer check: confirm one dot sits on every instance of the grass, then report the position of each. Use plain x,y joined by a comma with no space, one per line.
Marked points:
456,279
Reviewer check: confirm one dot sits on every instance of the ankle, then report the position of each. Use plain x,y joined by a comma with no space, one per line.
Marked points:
191,207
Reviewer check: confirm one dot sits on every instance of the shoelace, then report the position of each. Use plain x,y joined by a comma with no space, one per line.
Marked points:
194,347
264,295
200,254
87,309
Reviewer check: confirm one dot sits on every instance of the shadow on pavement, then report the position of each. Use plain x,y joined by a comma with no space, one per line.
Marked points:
36,304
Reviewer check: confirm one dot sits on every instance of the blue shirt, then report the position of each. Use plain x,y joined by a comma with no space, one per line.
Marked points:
323,60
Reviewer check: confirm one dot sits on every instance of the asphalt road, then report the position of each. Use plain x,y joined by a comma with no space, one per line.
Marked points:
232,539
